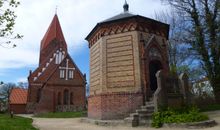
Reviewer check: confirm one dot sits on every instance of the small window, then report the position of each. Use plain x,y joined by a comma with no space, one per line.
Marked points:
62,73
71,74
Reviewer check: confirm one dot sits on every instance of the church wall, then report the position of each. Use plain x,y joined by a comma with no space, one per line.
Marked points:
121,62
78,99
18,108
46,103
119,87
95,67
113,105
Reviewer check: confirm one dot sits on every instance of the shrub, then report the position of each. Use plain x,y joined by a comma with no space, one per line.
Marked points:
184,115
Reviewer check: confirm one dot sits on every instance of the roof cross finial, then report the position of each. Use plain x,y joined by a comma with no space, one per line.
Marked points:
126,6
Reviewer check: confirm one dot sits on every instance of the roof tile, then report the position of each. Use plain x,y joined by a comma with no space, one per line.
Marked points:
18,96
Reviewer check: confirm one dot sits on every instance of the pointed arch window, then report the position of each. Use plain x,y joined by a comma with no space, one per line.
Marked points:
59,98
66,97
38,94
71,98
154,52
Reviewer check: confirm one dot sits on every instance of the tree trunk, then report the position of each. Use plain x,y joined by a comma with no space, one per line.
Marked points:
216,89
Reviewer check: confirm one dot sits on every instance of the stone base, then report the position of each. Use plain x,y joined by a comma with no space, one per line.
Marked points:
68,108
113,105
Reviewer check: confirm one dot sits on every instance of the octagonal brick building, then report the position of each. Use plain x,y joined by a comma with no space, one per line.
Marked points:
126,51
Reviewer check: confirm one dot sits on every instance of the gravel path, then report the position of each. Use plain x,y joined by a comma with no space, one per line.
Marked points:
75,124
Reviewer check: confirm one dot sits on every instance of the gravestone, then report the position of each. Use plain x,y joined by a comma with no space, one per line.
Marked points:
172,91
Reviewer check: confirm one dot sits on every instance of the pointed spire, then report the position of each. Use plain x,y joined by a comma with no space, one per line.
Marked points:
126,6
54,32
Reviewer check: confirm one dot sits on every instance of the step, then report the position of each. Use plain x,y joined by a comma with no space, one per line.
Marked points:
134,114
128,119
139,111
148,107
145,116
149,103
145,111
131,122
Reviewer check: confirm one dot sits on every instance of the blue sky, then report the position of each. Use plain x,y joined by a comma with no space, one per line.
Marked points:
77,19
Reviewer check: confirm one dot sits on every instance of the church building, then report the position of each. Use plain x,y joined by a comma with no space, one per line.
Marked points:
57,84
126,51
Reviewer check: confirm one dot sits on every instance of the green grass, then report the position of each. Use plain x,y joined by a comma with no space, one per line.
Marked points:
16,123
62,114
212,107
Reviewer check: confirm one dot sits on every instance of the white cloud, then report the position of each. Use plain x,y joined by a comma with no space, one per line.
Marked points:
77,18
22,79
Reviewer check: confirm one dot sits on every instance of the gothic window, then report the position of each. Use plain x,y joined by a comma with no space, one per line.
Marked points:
60,57
154,52
62,73
57,59
59,98
38,94
71,74
66,97
71,98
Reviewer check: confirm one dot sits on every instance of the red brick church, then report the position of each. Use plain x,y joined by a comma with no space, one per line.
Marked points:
57,84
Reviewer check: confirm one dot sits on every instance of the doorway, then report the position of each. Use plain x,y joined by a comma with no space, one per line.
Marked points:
154,66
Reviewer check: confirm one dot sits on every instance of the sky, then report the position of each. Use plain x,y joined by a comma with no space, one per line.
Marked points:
77,19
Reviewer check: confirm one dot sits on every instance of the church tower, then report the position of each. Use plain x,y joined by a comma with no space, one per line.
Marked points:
126,51
57,84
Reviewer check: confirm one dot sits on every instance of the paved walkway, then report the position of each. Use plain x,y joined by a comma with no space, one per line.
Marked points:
75,124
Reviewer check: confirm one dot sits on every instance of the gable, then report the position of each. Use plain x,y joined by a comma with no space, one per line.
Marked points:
67,73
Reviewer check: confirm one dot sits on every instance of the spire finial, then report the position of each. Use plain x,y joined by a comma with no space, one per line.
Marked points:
56,9
126,6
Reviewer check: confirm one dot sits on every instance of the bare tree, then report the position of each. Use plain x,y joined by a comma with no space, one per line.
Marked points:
202,18
7,22
181,57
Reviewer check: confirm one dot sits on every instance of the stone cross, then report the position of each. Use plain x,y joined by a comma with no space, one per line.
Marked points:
67,68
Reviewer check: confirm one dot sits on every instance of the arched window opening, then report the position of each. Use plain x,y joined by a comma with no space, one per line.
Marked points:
66,97
71,98
38,94
154,66
59,98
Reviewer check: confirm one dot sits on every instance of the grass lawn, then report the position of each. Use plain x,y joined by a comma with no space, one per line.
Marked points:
16,123
62,114
210,108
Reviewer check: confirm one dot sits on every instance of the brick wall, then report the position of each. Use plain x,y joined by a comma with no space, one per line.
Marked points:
113,105
18,108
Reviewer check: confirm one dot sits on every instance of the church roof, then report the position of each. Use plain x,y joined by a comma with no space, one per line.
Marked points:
124,16
53,32
118,17
18,96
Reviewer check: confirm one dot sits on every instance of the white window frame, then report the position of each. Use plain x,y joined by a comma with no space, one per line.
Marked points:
62,73
71,73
